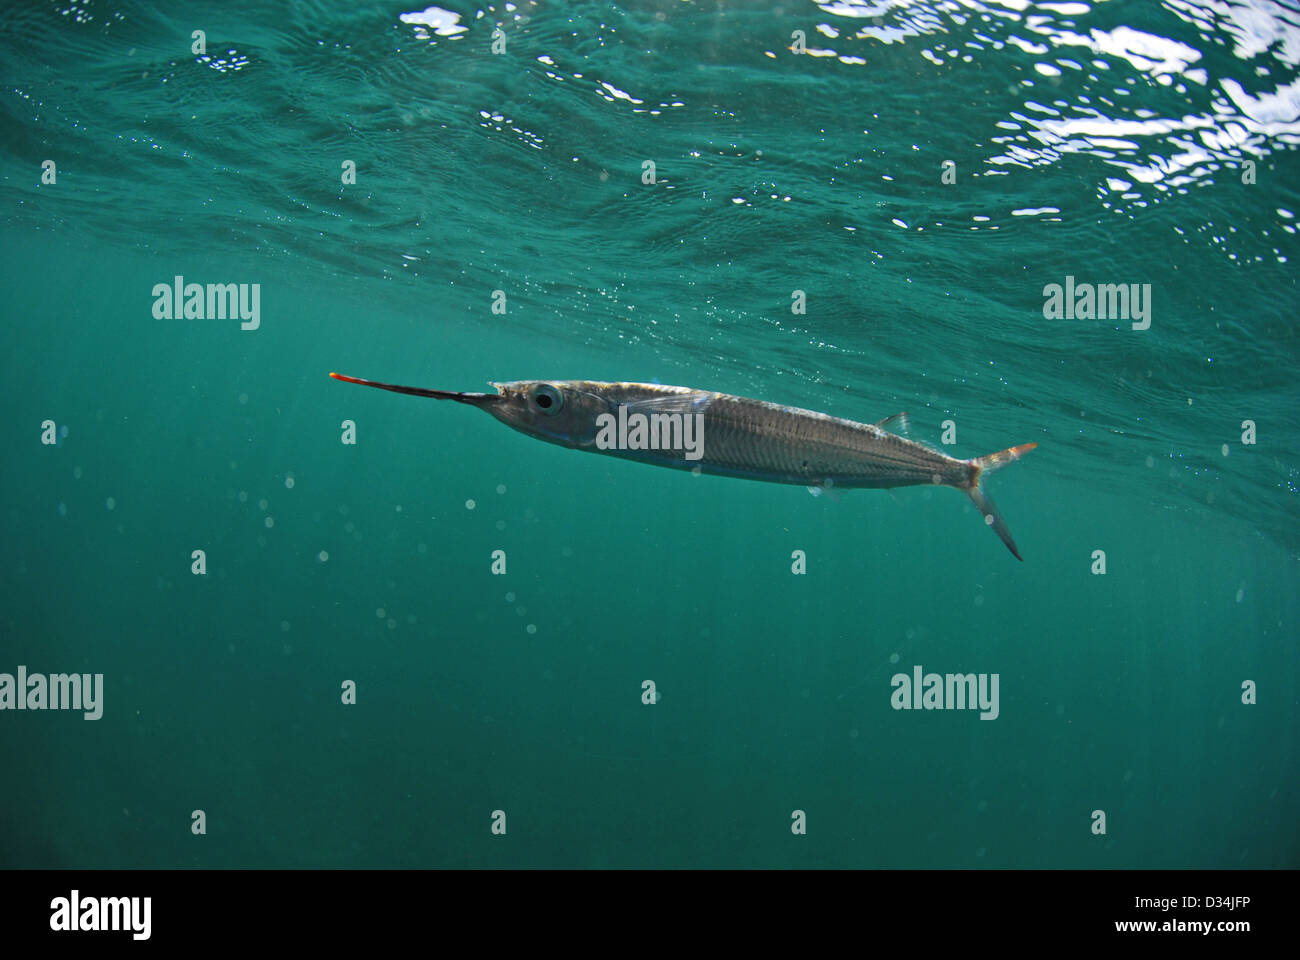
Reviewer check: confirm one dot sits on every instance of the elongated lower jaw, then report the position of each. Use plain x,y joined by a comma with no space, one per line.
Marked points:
474,399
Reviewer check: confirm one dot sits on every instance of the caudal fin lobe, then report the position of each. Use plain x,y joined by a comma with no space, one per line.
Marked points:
982,501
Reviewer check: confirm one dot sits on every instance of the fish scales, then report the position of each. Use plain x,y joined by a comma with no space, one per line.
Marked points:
791,445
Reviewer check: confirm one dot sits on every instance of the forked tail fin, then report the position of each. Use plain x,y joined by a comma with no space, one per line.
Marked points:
982,501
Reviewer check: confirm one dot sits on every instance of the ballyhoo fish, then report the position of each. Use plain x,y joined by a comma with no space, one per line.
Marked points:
732,436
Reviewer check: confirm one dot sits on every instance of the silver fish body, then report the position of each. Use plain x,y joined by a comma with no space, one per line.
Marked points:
733,436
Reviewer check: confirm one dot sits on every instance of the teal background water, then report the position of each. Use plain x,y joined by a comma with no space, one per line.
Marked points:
1126,126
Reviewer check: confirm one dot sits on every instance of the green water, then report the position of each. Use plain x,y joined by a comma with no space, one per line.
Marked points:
1128,127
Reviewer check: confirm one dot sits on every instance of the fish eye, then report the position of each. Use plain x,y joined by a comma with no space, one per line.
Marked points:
547,399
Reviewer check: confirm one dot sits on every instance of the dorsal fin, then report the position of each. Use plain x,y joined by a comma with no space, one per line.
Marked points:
904,425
